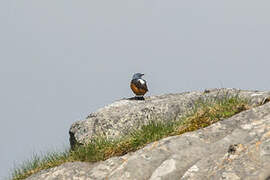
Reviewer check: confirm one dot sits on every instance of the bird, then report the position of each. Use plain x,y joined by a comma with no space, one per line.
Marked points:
138,86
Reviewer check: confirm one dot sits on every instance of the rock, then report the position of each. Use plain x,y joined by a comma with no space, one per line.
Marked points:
121,117
235,148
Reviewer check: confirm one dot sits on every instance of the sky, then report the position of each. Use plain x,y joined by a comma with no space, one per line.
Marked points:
61,60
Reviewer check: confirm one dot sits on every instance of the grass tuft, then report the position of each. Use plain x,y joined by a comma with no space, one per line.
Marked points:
207,113
38,163
102,148
203,114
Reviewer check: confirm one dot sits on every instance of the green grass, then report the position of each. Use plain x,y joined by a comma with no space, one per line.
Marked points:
203,114
39,162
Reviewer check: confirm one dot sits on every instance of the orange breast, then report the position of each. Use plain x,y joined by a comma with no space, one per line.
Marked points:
137,90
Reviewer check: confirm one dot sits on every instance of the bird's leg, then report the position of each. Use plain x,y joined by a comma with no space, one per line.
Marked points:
139,97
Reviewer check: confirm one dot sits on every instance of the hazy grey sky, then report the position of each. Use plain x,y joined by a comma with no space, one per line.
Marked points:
61,60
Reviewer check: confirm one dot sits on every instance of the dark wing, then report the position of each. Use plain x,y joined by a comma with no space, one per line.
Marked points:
140,85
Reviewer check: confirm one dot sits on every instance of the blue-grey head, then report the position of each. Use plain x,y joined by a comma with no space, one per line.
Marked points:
137,76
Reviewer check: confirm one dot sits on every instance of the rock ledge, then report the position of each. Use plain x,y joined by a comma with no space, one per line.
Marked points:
121,117
235,148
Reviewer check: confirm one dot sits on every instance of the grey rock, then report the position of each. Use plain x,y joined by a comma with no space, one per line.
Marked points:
234,148
121,117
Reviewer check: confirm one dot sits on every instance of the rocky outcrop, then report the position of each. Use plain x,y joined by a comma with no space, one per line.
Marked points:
121,117
235,148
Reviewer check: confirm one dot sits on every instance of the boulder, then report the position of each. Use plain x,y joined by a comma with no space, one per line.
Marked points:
121,117
234,148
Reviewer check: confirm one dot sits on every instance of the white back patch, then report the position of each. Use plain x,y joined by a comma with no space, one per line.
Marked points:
141,81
